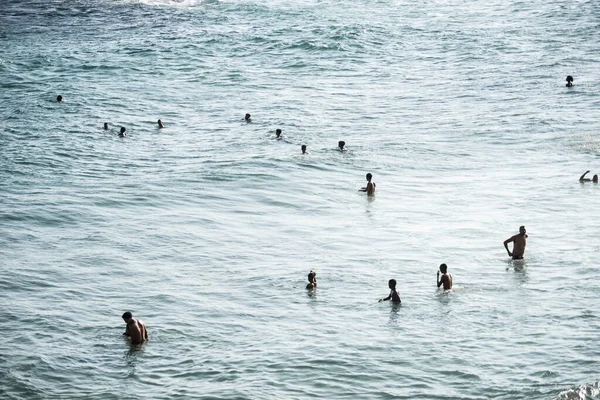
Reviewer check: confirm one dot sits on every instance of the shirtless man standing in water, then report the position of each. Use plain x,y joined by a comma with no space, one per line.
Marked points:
446,278
135,330
370,188
519,243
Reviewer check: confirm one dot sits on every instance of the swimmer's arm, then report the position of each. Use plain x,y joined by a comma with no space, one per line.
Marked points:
582,178
439,282
387,298
506,242
362,189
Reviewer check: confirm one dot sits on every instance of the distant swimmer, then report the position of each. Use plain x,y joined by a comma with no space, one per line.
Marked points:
247,118
394,296
304,149
446,278
519,243
278,133
341,145
312,280
370,188
106,126
582,178
160,124
135,330
569,81
59,99
122,133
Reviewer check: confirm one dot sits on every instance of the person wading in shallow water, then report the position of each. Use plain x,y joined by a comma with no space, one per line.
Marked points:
519,243
446,278
135,330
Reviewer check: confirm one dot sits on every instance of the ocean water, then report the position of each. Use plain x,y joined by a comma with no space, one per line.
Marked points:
206,229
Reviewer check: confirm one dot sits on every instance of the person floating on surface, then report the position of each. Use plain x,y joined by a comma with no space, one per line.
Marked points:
135,329
582,178
370,188
446,278
394,296
312,280
519,243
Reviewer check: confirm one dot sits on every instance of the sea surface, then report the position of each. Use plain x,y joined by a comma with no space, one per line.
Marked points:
206,229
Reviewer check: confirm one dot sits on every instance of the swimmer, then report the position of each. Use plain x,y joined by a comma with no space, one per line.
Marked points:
135,330
582,178
160,125
122,133
278,133
341,145
247,118
370,189
312,280
569,81
519,243
59,99
106,126
446,278
394,296
303,149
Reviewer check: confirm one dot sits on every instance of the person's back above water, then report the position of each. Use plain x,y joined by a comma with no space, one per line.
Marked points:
582,178
135,329
312,280
370,188
394,296
446,278
519,243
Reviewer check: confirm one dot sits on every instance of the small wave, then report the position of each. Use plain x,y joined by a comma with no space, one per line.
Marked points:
583,392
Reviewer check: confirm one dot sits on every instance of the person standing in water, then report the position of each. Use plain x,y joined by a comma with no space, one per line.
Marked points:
135,329
370,188
59,99
394,296
247,118
303,149
160,124
106,126
569,81
278,133
122,132
341,145
446,278
519,243
312,280
582,178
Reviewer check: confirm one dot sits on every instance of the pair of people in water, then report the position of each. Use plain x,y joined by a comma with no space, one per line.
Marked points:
445,280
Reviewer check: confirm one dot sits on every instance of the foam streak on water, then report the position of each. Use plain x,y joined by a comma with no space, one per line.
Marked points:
206,229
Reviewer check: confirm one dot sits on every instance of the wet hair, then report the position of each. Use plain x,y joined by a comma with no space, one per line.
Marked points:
522,227
443,268
127,315
106,126
341,144
595,178
59,98
392,283
369,176
303,147
247,117
569,78
278,132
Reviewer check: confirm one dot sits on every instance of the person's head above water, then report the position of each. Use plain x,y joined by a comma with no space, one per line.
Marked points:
303,149
58,98
443,268
341,144
127,316
278,132
160,124
247,117
595,178
312,276
392,284
369,177
569,80
522,230
106,126
122,132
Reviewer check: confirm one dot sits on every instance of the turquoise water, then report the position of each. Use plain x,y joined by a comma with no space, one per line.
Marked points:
207,229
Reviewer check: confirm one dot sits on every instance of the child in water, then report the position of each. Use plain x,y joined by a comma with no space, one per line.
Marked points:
312,280
394,296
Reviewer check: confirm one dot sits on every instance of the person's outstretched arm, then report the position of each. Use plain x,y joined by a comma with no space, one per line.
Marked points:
583,176
387,298
439,282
